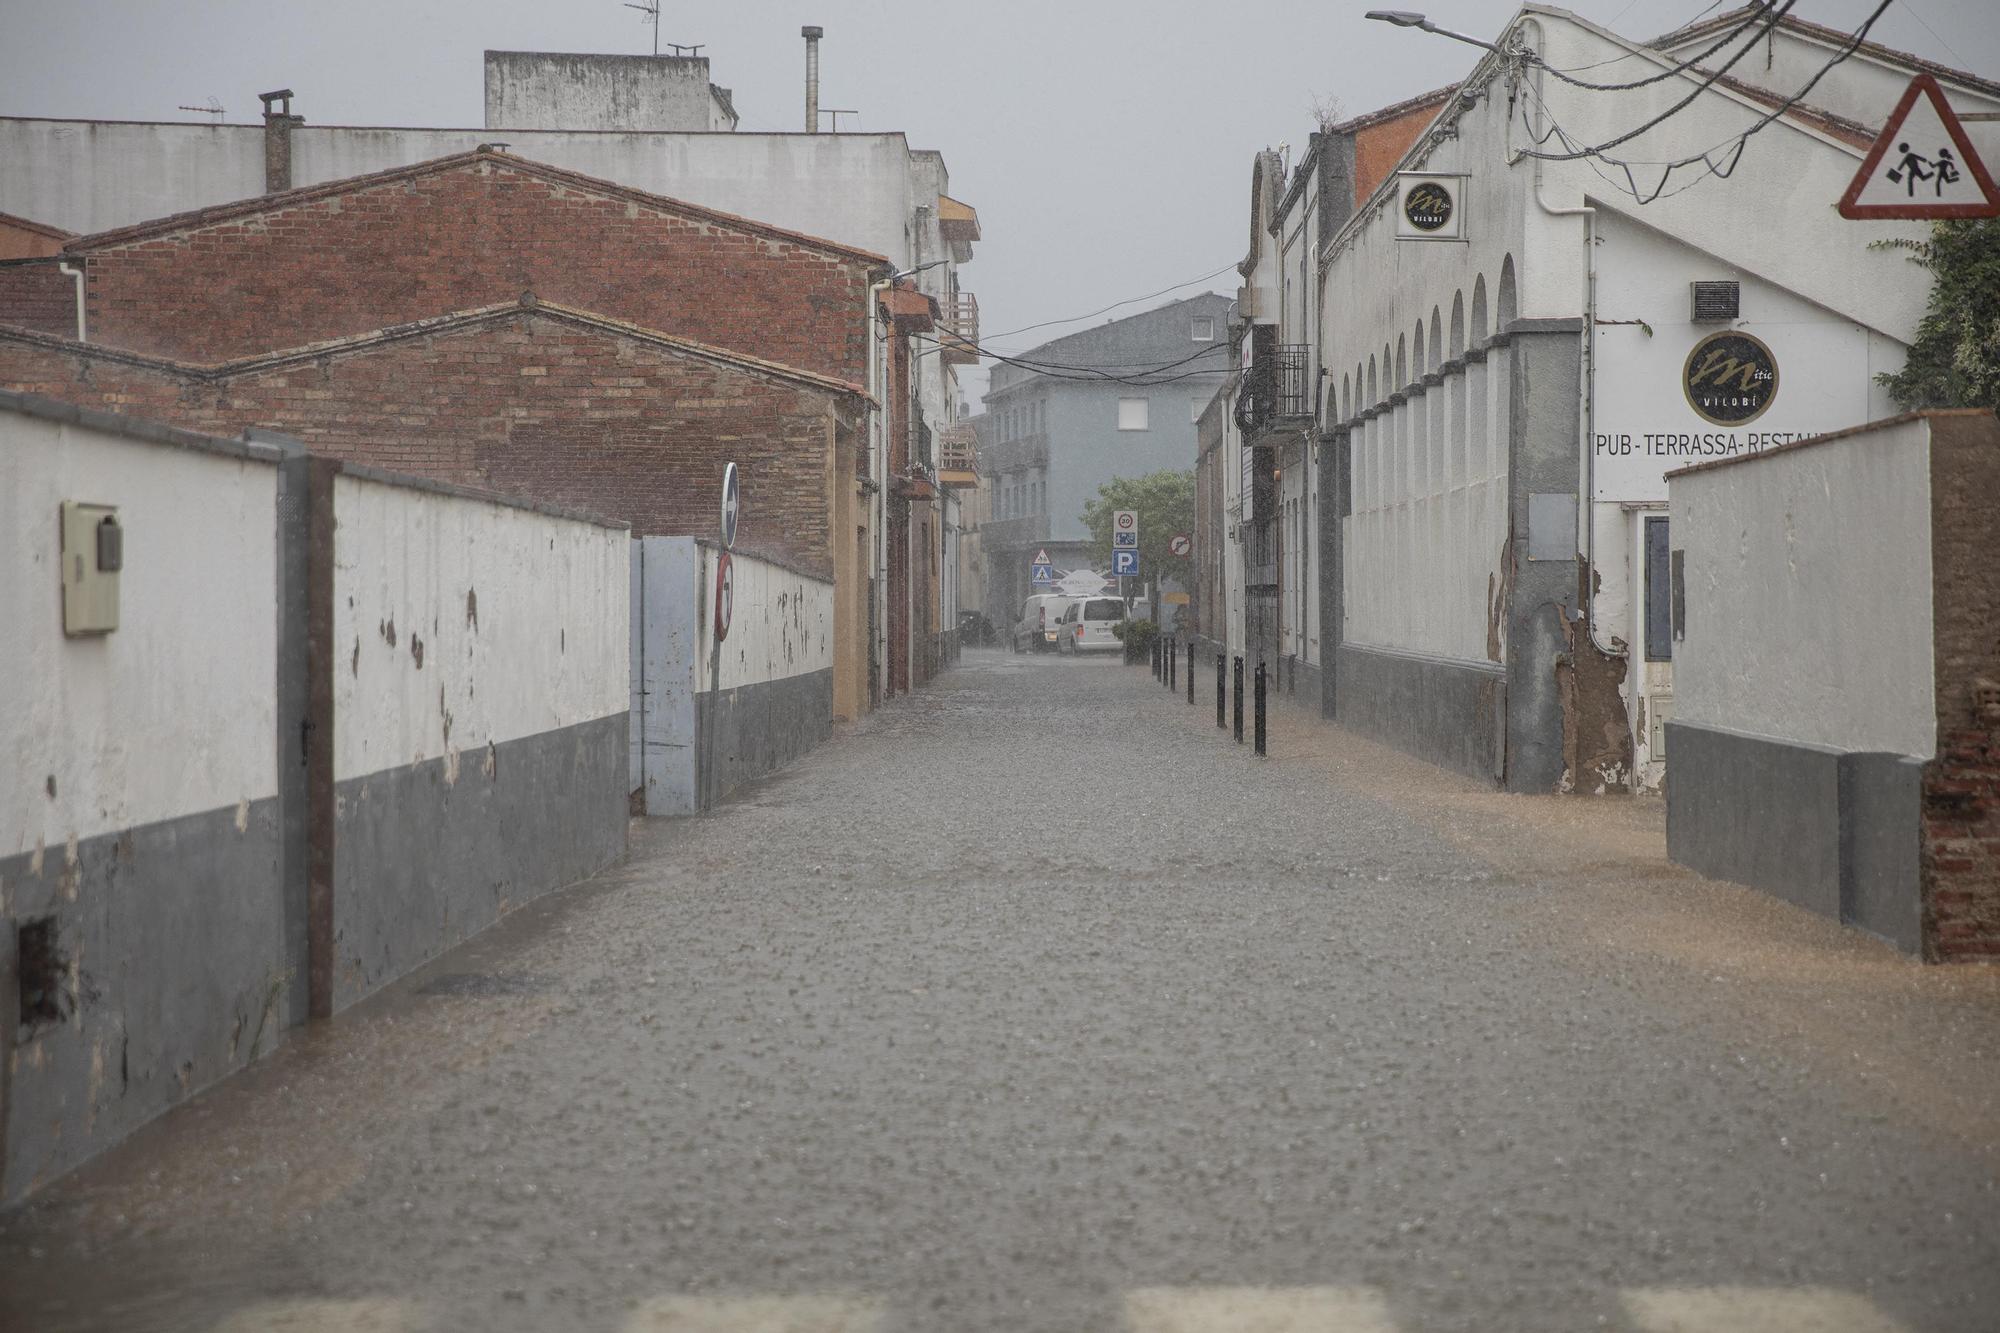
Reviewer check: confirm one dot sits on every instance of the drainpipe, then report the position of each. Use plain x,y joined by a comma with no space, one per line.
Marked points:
1586,406
76,275
878,476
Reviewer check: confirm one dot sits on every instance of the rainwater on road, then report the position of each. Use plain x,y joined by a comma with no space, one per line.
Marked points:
1032,1002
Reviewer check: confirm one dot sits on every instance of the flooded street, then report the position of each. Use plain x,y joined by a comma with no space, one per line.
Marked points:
1032,1002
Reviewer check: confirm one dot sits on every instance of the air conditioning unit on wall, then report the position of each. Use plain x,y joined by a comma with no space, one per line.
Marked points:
1714,302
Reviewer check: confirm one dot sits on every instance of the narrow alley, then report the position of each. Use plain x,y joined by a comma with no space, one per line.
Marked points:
1032,1002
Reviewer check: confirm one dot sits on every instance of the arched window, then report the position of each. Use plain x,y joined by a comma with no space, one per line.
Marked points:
1437,340
1479,329
1346,399
1402,364
1373,397
1457,324
1417,352
1507,301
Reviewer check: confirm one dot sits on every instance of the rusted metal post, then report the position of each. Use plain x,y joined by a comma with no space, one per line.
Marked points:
1190,670
1221,693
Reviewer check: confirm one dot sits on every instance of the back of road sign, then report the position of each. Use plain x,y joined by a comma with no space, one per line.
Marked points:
1921,165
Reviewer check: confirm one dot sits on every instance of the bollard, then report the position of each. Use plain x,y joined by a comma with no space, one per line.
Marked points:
1260,709
1221,694
1237,703
1173,663
1190,670
1156,658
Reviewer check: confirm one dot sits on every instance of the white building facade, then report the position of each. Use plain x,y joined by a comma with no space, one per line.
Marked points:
1502,391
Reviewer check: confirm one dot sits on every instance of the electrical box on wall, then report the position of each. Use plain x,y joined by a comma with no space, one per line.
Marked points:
93,553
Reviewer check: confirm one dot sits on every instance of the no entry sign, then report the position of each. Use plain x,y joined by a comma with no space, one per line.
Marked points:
725,594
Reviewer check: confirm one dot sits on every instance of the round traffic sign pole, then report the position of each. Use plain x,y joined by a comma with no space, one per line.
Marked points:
725,594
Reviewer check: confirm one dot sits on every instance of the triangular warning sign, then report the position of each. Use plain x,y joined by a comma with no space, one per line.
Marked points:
1041,558
1922,165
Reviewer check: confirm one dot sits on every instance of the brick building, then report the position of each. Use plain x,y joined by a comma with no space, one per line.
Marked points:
541,401
462,232
217,300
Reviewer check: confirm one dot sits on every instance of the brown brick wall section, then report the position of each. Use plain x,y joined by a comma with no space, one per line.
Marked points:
528,405
1961,809
1378,148
36,294
474,234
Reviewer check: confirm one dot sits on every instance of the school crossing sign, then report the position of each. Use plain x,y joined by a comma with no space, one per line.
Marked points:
1921,165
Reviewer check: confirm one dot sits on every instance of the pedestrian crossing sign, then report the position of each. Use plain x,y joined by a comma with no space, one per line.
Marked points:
1045,574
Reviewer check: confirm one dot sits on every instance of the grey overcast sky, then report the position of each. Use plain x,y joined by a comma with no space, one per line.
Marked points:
1106,143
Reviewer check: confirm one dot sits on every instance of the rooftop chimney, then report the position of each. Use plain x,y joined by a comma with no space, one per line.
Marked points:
278,123
812,34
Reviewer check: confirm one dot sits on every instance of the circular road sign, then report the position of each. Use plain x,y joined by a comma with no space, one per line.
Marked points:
732,504
725,594
1126,520
1181,544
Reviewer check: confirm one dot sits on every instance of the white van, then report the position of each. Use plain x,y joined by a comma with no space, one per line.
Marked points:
1040,618
1086,626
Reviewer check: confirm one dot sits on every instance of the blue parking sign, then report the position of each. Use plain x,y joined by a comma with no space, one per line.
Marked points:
1124,562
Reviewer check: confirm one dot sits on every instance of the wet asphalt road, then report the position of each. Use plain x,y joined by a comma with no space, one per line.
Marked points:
1031,1003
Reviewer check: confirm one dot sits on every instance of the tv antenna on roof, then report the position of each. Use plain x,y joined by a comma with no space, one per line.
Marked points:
214,108
651,10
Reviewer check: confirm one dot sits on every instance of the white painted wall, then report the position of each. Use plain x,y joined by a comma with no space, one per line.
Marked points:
549,648
173,713
91,175
1424,541
562,90
782,625
1808,577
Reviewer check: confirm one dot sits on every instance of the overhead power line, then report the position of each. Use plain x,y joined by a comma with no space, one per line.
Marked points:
1130,300
1682,67
1720,159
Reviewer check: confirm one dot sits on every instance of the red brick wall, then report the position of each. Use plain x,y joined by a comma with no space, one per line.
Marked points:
471,235
1961,811
35,294
527,404
1378,148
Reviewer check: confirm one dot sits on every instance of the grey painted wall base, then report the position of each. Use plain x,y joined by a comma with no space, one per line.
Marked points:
174,941
753,730
1302,680
1448,713
431,854
1834,832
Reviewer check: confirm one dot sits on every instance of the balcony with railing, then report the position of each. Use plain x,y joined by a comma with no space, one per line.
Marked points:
958,456
1277,386
958,329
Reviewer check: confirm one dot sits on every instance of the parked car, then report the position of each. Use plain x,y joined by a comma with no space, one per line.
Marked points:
1042,614
1086,626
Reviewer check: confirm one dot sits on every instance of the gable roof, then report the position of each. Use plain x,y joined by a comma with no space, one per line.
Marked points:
485,154
38,228
1833,37
455,322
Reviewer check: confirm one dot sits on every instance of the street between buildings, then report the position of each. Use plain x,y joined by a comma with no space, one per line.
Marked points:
1163,1037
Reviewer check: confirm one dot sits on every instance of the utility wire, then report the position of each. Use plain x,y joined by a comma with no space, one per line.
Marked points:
1770,18
1086,374
1730,149
1130,300
1737,31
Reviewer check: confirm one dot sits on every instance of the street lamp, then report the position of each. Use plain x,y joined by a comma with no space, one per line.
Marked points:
1404,18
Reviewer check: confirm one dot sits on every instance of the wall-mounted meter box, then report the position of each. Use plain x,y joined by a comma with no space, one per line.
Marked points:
93,551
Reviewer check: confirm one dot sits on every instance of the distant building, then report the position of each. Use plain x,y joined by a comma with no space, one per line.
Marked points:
553,90
1050,438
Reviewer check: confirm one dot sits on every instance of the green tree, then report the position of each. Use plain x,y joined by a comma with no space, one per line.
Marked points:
1165,502
1955,360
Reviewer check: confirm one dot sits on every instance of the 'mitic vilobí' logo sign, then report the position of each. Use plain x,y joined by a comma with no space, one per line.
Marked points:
1730,378
1428,206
